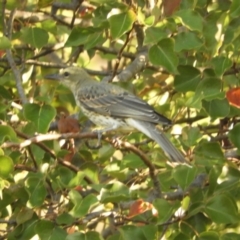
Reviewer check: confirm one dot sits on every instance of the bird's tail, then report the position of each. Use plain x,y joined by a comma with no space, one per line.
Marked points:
152,132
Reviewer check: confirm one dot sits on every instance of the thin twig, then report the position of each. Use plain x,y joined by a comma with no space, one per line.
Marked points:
17,74
119,56
147,162
132,69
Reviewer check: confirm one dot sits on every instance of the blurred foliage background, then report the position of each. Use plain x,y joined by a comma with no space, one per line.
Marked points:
180,56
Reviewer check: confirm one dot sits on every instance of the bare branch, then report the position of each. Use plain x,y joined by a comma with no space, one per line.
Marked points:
17,74
132,69
48,137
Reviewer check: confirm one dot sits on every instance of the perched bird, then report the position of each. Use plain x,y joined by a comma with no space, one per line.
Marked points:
112,107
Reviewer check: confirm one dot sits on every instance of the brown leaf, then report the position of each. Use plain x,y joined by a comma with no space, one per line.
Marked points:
68,124
139,207
169,7
71,151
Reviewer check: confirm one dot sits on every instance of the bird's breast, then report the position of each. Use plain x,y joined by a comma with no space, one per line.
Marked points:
107,122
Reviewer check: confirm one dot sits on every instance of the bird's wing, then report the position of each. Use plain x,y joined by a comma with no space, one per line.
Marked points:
111,100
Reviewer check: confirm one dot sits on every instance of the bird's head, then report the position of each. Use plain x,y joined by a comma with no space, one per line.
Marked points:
70,76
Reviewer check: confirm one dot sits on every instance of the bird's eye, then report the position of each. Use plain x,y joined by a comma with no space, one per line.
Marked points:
66,74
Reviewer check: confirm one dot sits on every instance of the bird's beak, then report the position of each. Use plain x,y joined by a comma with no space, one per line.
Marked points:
54,76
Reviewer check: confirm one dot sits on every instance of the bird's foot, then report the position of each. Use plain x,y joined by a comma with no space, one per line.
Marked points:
116,142
99,144
99,134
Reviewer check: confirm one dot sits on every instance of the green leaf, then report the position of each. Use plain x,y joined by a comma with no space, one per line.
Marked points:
5,43
82,207
41,116
64,176
44,229
164,208
235,9
209,31
36,189
230,236
105,152
132,161
221,64
209,235
65,218
209,150
187,79
154,34
222,209
36,37
209,88
149,231
27,230
5,93
91,170
50,26
95,39
187,41
84,236
234,135
6,166
149,21
162,54
217,107
188,173
121,23
44,3
130,232
7,133
38,153
24,215
114,192
191,135
191,19
48,230
88,36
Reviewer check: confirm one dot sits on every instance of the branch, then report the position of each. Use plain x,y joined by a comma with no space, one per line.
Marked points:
132,69
17,74
119,55
36,17
48,137
73,5
115,51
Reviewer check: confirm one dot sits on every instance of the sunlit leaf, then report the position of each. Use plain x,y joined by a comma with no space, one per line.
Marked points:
37,37
41,116
6,166
4,43
191,19
162,54
121,23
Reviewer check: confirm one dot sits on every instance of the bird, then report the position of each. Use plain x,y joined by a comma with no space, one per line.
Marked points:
112,107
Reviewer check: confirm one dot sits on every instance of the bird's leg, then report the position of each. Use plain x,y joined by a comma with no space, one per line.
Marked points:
99,134
101,131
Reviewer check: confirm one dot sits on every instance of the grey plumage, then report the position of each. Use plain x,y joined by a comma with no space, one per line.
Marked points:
112,107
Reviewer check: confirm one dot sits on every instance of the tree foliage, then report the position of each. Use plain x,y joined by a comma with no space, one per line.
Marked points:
182,58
